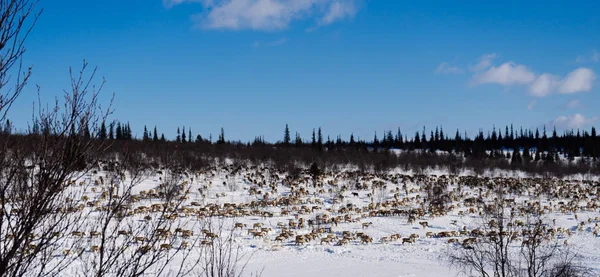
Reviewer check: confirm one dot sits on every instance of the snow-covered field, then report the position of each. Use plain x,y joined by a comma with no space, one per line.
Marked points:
378,208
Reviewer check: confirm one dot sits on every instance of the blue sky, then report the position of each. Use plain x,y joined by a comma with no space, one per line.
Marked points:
251,66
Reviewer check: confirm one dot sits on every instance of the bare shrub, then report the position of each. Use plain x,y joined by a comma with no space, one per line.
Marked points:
223,256
507,246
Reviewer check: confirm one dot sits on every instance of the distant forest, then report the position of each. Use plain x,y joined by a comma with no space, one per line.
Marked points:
536,151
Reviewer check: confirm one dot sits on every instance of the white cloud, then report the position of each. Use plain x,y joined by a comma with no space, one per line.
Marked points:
574,121
445,68
593,58
573,104
269,43
580,79
544,85
267,15
507,74
338,10
484,62
540,85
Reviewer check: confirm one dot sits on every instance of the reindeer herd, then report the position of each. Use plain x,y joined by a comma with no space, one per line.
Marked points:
343,208
280,210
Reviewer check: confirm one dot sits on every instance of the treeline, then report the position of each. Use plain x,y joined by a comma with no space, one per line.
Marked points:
522,144
524,149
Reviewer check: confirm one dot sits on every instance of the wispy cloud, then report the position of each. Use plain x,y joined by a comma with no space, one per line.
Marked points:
267,15
573,104
531,105
446,68
338,10
484,62
507,74
594,57
171,3
574,121
274,43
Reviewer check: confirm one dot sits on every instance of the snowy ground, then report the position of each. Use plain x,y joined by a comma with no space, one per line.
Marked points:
425,257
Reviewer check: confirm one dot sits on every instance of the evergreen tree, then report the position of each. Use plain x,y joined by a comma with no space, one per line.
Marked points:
86,129
417,140
320,138
457,142
516,157
442,143
432,142
512,135
286,135
178,138
221,137
119,131
102,133
129,133
389,139
111,132
352,142
183,136
189,134
314,139
298,140
155,136
399,139
8,127
162,137
423,139
146,136
375,140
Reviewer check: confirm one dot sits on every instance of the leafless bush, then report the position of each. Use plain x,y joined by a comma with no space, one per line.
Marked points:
42,183
223,257
506,246
134,241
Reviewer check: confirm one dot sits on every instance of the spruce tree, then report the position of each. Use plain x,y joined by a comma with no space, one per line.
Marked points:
178,138
298,140
516,157
102,133
423,139
417,140
389,139
111,132
221,137
119,131
189,134
375,140
286,135
146,137
432,143
155,136
320,138
86,130
183,136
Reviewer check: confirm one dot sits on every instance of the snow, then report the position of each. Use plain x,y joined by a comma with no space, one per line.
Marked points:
425,257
